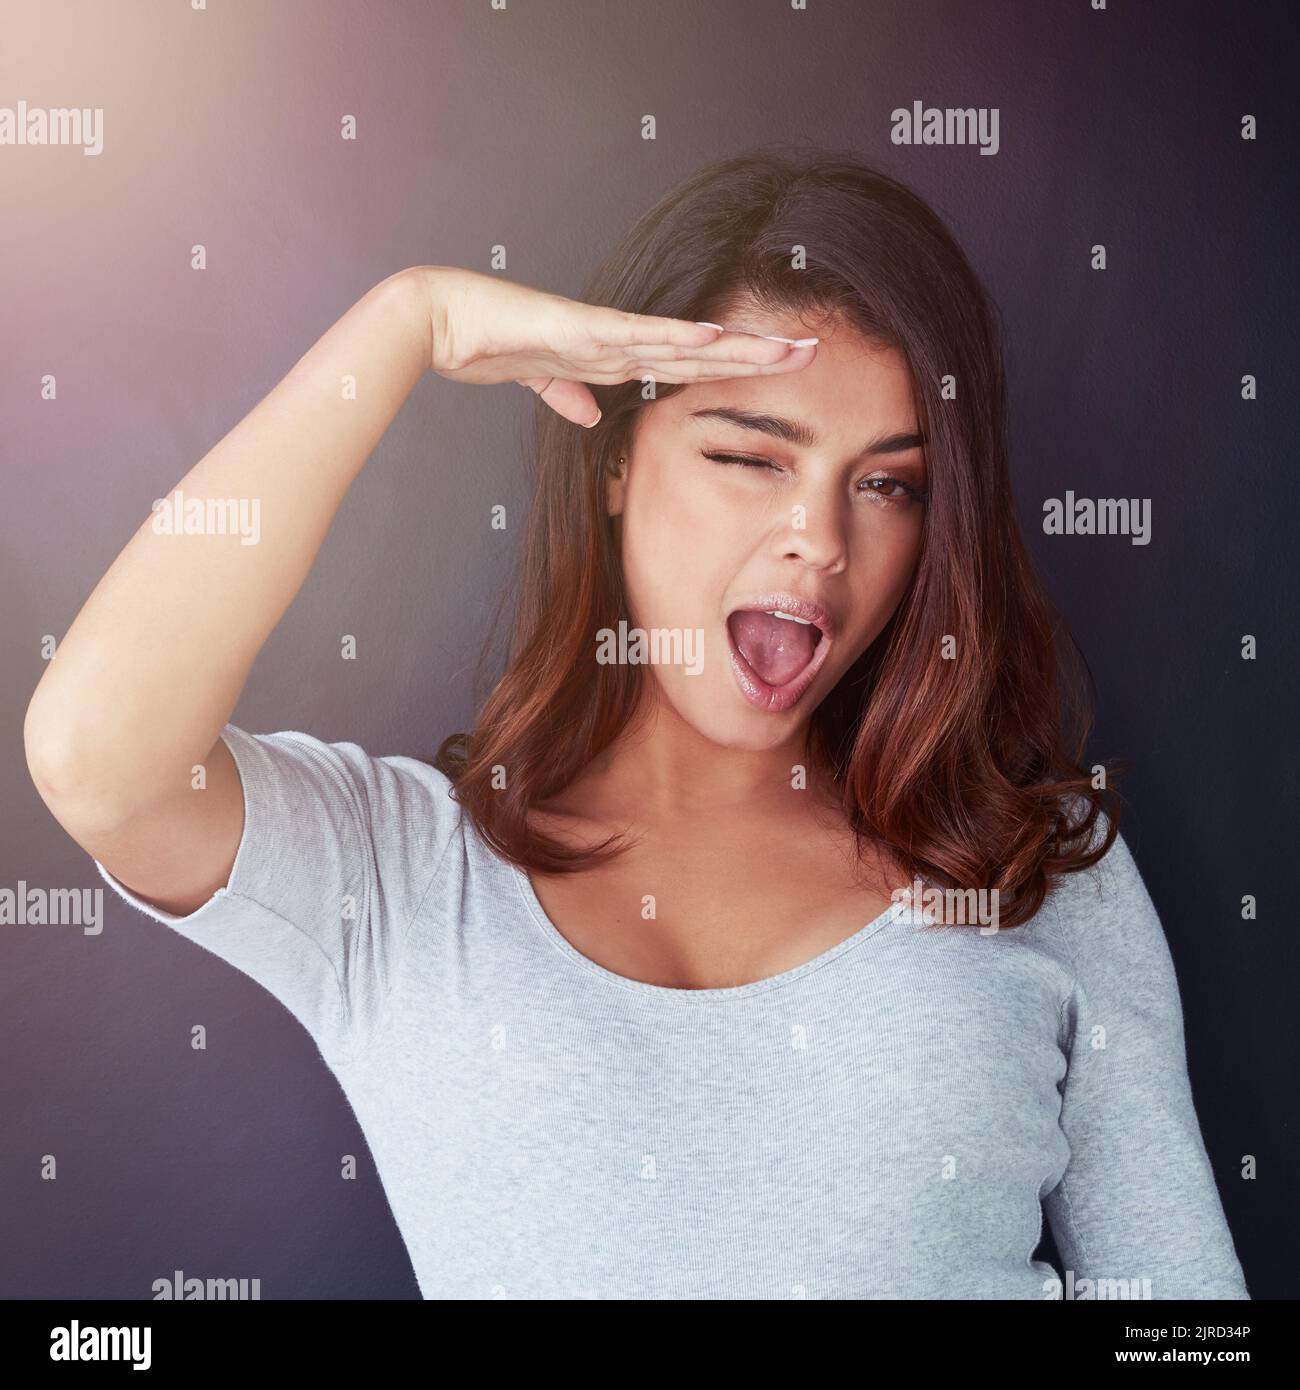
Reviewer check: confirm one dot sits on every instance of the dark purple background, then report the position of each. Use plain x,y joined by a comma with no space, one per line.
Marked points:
523,127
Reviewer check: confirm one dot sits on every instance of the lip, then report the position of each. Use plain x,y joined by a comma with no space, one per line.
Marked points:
775,699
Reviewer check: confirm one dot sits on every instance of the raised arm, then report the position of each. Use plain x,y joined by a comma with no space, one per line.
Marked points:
149,672
151,669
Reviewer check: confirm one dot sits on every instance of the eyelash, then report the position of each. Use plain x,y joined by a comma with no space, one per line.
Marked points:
911,494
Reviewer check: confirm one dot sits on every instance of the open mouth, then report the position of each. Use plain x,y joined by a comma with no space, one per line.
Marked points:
774,655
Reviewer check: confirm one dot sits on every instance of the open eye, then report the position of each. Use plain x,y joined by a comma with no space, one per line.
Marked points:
903,492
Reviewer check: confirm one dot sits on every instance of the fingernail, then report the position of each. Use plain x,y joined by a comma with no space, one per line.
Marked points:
806,342
718,326
773,337
591,424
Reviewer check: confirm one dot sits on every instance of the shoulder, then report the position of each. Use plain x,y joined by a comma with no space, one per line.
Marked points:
387,799
1103,920
1113,882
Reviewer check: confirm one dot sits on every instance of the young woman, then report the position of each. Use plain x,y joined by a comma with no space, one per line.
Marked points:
645,989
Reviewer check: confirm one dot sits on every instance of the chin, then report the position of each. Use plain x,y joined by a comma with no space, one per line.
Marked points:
725,719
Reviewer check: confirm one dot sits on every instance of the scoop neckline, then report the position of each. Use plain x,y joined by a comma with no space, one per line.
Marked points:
670,994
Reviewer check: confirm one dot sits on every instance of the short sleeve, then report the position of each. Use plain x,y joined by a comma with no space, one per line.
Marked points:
338,851
1138,1199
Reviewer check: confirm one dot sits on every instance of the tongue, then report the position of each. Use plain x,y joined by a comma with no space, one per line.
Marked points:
776,648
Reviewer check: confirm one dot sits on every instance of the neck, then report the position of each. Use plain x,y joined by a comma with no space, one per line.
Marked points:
662,768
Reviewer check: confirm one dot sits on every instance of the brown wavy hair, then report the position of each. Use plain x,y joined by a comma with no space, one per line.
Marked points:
955,740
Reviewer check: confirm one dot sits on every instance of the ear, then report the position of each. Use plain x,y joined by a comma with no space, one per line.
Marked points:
615,485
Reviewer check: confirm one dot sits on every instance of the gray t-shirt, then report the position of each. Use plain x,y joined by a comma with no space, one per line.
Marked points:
880,1122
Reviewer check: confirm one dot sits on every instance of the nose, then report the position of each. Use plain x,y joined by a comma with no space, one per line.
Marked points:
817,534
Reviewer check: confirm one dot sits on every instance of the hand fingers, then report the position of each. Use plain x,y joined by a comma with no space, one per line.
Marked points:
672,370
619,328
688,371
731,347
655,338
569,399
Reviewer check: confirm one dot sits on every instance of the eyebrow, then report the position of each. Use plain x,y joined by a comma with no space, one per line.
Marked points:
796,432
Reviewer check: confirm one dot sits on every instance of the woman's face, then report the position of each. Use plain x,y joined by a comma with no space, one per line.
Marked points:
824,523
